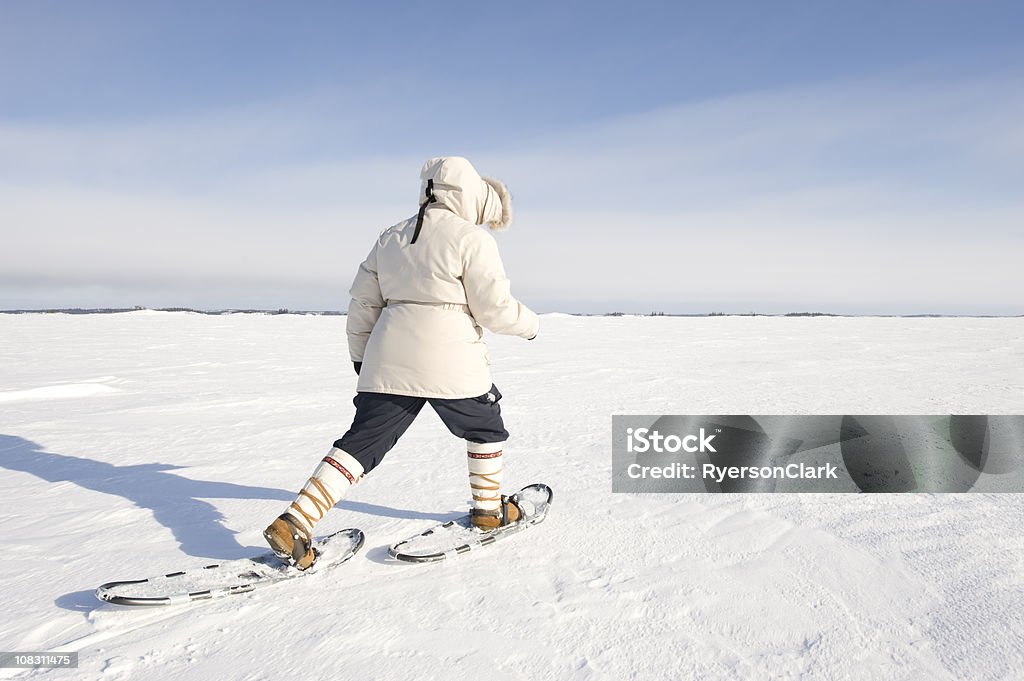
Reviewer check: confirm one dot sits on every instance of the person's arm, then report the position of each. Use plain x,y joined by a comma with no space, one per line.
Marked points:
365,308
489,292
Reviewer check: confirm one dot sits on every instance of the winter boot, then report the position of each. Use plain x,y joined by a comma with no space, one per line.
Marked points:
490,508
291,535
291,542
487,520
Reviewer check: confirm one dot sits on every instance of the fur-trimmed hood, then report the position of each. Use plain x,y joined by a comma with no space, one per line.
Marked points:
457,186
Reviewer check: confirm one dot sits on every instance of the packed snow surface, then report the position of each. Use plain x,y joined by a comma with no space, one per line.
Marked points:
142,443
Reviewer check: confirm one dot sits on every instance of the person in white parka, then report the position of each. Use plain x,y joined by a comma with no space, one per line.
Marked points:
419,301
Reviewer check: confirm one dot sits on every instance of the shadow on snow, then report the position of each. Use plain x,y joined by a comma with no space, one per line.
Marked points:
178,503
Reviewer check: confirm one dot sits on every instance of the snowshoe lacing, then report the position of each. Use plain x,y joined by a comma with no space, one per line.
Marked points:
321,505
484,492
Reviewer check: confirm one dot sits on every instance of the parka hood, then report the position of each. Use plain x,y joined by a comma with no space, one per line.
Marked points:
456,185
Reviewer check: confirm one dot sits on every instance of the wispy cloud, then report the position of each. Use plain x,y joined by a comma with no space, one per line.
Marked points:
856,195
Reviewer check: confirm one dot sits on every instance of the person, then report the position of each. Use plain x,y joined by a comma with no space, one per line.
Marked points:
419,301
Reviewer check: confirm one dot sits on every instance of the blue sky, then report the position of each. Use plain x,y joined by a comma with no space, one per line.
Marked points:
686,157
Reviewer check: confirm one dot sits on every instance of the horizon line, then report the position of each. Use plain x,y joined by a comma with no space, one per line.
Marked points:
613,313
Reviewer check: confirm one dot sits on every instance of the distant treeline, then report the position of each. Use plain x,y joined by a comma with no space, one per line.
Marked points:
786,314
118,310
733,314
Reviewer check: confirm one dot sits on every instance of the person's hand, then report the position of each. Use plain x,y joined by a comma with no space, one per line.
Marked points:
358,366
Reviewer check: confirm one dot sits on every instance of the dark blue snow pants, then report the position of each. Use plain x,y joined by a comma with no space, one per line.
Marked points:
381,419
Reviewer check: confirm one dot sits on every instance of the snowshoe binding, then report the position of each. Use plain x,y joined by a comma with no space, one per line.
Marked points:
487,520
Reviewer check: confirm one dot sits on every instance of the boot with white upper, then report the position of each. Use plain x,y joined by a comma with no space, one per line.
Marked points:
291,534
491,509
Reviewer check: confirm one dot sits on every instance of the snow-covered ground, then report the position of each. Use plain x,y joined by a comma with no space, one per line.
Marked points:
140,443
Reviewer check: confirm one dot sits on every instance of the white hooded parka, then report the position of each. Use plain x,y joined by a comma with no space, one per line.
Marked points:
423,293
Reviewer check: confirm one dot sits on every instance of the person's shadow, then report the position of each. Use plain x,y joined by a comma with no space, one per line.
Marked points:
178,503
